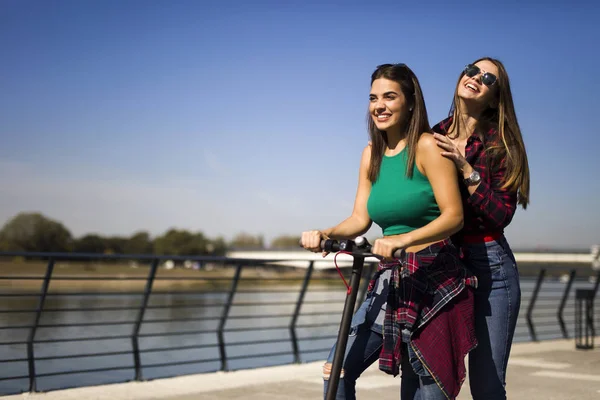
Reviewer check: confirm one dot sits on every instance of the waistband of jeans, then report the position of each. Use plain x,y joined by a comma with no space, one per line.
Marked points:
481,238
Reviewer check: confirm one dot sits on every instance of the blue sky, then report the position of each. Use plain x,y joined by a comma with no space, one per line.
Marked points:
235,116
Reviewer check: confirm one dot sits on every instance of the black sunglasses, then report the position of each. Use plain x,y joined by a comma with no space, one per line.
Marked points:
488,79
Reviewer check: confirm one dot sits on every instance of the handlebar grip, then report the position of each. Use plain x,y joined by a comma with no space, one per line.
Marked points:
398,253
330,245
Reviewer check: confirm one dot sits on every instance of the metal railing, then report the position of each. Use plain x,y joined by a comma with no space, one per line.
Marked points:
228,287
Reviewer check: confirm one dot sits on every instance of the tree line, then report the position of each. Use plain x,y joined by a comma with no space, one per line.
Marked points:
34,232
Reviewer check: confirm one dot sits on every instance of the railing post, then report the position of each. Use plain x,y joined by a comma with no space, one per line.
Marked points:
38,315
224,316
596,286
534,296
297,311
140,317
563,301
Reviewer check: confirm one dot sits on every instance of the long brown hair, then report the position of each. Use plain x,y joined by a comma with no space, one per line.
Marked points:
510,149
415,124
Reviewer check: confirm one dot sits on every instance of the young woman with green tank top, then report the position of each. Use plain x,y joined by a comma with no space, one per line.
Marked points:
418,313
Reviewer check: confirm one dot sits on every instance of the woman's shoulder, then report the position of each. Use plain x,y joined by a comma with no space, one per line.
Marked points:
366,155
426,142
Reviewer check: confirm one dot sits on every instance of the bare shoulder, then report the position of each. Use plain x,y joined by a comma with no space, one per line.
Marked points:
366,154
427,143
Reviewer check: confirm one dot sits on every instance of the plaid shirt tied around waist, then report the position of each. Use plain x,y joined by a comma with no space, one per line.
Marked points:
422,284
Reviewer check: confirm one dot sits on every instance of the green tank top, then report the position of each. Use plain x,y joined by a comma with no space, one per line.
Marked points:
399,204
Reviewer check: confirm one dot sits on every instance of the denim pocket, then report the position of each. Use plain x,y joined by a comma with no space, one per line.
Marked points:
415,363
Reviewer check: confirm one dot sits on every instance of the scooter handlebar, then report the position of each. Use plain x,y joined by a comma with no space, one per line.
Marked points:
359,246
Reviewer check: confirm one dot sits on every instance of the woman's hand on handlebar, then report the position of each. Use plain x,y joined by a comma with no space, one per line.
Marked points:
311,240
386,246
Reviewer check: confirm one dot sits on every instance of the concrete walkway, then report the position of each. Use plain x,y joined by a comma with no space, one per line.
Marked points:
549,370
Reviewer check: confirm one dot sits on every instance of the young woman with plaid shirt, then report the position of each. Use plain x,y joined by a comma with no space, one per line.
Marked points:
483,139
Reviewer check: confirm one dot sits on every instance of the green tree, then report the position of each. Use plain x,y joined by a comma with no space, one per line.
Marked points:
139,243
35,232
90,244
115,245
181,242
285,242
217,247
246,241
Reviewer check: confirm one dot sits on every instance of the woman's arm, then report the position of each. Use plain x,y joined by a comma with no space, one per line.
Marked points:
359,221
494,204
442,176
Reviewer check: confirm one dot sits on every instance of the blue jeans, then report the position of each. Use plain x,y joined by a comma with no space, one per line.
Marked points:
497,302
363,348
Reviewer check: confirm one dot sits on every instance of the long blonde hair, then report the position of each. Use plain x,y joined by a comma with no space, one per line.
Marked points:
503,118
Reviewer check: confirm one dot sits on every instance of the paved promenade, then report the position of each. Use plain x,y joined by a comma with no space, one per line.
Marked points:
549,370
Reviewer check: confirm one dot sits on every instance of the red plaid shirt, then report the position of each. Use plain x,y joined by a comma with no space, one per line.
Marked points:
489,209
430,296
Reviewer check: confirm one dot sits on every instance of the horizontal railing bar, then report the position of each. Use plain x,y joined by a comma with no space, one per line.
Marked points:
95,294
132,278
16,327
111,353
84,371
11,343
76,324
328,337
99,278
263,303
191,347
72,294
317,325
159,307
23,311
155,321
261,355
83,339
319,313
248,343
184,306
177,348
147,257
202,361
242,279
22,278
257,328
14,360
161,321
10,378
181,333
87,309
